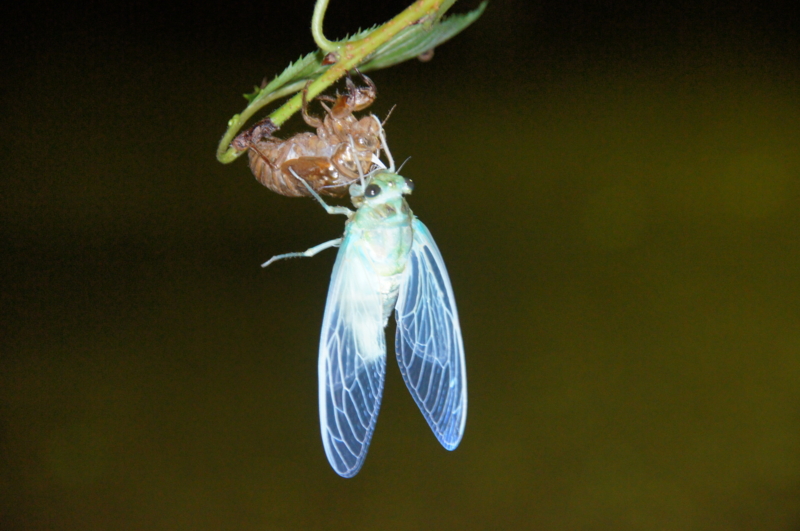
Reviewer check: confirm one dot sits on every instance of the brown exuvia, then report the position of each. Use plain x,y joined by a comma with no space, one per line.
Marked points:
328,160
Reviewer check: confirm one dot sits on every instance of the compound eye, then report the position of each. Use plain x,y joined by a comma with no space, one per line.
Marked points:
410,184
372,190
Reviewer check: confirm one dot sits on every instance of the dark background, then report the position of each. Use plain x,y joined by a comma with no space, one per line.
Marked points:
614,188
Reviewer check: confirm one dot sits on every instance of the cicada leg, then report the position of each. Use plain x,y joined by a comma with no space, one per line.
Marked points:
329,209
313,121
355,99
318,172
385,147
307,253
362,97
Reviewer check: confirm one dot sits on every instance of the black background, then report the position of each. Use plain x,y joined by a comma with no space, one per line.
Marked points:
614,187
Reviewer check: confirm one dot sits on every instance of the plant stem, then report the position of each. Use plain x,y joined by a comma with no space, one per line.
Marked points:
316,27
350,55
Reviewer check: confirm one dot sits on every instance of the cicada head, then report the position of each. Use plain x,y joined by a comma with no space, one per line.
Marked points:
385,186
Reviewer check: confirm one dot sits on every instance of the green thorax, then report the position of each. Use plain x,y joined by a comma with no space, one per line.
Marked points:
381,229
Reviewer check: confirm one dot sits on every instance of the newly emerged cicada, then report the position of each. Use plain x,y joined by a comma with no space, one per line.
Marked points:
387,263
327,160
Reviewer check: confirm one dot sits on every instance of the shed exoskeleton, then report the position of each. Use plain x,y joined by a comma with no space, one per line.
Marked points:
327,160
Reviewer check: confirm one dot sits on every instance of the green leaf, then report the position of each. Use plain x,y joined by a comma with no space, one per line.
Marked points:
417,39
408,44
304,68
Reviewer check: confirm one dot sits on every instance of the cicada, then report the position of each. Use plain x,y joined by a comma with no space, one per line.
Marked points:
387,261
327,161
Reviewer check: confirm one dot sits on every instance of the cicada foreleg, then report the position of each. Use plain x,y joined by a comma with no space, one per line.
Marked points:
385,147
361,97
313,121
307,253
329,209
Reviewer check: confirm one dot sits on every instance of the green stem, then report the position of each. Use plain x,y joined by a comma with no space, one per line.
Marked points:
316,27
225,153
350,55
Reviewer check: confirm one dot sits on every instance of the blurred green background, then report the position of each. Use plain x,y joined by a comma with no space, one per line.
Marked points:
614,188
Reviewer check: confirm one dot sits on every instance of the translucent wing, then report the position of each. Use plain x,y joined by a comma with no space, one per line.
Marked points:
352,360
428,342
